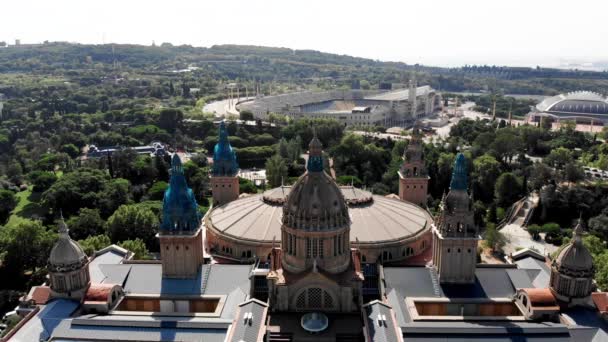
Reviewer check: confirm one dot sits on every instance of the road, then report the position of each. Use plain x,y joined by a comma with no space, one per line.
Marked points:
223,107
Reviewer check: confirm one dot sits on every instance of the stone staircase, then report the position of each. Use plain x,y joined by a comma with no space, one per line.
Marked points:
280,336
350,338
435,281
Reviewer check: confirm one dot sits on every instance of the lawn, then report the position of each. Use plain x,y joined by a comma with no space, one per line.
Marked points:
28,207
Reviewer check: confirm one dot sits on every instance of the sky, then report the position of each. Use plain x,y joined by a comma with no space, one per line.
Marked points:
431,32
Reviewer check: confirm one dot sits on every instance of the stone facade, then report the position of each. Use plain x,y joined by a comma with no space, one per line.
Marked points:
224,173
572,271
181,254
180,234
455,234
68,267
413,175
224,189
315,269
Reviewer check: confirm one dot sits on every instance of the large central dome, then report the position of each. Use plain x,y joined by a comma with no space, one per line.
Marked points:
315,201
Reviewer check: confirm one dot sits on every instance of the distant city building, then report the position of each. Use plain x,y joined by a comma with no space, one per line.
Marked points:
581,106
352,107
154,149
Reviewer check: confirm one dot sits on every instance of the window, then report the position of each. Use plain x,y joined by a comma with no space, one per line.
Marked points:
321,249
308,247
314,298
335,245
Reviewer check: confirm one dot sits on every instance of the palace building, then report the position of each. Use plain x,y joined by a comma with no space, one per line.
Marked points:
315,262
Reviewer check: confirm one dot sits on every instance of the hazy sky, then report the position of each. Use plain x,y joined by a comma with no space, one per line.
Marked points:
450,32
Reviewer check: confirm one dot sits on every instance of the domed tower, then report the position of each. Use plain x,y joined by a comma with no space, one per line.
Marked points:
68,267
316,225
572,271
413,175
455,234
180,234
224,174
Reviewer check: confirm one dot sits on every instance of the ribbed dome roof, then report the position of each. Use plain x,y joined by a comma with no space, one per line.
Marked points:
66,253
315,202
575,256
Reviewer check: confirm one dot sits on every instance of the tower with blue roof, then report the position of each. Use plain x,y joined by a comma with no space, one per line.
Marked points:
455,235
224,174
180,233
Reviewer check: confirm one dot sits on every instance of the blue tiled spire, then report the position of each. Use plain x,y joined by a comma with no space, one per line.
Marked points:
459,174
224,157
180,210
315,155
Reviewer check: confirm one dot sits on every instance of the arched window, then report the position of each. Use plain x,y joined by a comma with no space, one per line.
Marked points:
314,298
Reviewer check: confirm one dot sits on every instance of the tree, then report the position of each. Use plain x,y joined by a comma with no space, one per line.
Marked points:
92,244
8,202
540,175
130,222
559,157
82,188
137,247
534,230
486,171
601,273
494,239
71,150
507,189
87,223
15,173
170,119
41,180
246,115
276,170
573,172
157,191
598,225
246,186
27,245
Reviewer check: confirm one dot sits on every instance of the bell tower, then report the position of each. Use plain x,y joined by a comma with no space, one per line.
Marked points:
455,235
180,233
224,175
413,175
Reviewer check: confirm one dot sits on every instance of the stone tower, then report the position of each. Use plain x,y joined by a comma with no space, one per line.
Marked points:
68,267
455,235
413,176
224,175
316,224
180,233
315,269
572,271
412,91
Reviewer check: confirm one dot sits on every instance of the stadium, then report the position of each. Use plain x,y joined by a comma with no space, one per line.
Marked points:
581,106
351,107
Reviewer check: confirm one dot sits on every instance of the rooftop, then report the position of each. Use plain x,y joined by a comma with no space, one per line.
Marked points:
252,218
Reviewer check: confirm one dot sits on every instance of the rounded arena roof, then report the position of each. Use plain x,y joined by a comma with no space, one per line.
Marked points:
579,102
374,218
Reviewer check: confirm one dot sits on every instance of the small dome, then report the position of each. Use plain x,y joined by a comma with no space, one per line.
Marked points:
575,256
66,253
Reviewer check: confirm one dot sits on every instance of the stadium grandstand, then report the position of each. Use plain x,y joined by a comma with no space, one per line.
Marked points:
386,108
581,106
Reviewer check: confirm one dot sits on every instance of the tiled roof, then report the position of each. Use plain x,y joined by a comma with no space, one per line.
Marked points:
250,322
253,219
600,299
